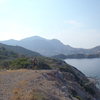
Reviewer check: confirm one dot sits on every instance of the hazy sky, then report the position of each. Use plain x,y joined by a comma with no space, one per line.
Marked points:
74,22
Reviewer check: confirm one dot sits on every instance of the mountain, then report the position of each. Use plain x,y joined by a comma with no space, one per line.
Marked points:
41,45
50,47
18,50
11,41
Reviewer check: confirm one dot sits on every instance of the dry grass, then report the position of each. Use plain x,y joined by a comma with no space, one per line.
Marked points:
19,94
26,84
36,85
12,71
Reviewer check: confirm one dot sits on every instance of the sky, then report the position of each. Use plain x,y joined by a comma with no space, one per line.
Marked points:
74,22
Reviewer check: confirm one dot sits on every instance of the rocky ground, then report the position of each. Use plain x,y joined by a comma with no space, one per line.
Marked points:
42,85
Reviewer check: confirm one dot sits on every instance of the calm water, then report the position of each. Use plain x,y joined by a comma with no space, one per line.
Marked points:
90,67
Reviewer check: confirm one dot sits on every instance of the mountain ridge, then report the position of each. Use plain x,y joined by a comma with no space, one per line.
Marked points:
50,47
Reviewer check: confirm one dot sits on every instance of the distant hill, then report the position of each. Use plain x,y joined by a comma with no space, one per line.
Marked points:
76,56
50,47
17,50
7,54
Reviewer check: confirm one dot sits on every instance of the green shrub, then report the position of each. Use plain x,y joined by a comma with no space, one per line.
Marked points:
27,63
20,63
78,97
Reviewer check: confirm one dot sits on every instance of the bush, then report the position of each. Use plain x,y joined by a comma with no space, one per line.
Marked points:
41,65
78,97
26,63
20,63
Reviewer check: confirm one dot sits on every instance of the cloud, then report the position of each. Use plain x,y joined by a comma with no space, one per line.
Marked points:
74,23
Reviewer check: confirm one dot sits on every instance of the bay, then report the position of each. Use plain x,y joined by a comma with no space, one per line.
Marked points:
90,67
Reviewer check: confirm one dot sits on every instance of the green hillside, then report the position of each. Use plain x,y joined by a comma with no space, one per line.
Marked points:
20,50
10,53
7,54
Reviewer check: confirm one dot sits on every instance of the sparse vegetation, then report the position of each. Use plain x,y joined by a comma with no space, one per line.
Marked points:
78,97
7,54
33,95
20,63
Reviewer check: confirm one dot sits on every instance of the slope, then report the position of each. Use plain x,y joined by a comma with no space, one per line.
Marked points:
44,85
19,50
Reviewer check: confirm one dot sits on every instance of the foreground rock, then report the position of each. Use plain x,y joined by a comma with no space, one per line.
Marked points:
44,85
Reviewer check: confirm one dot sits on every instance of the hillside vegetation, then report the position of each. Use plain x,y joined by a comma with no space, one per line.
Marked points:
7,54
15,55
76,56
19,50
